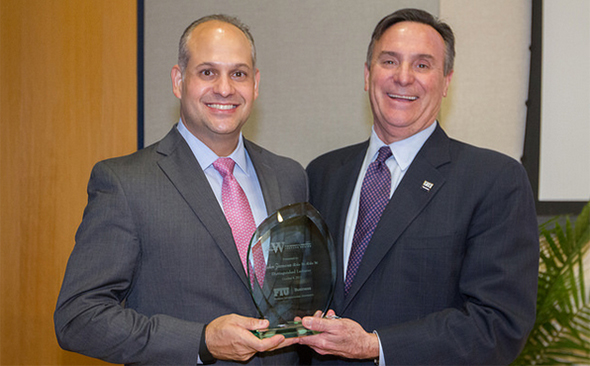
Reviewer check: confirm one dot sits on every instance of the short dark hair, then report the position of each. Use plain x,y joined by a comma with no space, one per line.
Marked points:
418,16
183,51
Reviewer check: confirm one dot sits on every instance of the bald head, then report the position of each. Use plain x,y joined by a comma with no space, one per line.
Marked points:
183,49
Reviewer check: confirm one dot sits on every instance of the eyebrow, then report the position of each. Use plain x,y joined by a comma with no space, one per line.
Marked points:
232,66
397,54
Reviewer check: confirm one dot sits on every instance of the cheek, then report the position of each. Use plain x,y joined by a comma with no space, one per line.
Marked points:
248,93
195,89
435,87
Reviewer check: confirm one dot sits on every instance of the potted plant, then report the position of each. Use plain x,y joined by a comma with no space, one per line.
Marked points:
561,334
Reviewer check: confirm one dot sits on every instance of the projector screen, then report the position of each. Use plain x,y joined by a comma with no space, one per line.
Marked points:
563,127
565,106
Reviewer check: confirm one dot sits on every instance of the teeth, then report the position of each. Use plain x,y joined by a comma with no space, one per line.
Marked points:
222,106
401,97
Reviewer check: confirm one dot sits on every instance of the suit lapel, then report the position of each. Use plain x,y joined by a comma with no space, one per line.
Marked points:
420,184
182,168
266,177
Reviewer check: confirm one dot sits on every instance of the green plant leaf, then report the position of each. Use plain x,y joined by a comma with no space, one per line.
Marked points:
561,334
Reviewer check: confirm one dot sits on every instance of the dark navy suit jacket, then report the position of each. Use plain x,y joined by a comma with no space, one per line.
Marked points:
450,274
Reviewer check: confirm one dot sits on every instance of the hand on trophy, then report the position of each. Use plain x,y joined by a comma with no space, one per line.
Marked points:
340,337
229,337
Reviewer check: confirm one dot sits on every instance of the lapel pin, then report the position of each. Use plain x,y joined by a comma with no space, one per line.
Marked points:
427,186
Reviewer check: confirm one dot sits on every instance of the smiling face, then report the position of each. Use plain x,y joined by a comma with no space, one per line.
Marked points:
219,85
406,81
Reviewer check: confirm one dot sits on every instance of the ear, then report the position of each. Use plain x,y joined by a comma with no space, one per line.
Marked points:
447,83
256,83
367,75
176,76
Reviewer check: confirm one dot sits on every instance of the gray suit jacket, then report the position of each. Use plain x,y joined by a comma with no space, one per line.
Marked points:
154,237
450,274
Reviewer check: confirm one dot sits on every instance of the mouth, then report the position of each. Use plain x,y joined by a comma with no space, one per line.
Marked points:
402,97
223,107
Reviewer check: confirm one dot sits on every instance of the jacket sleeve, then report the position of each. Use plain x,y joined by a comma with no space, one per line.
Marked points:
90,317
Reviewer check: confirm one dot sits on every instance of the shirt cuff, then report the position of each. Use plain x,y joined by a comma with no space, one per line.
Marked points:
381,360
205,357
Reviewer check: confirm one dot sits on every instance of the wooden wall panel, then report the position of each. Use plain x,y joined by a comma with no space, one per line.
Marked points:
68,99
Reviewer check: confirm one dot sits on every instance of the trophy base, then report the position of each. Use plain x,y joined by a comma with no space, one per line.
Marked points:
288,330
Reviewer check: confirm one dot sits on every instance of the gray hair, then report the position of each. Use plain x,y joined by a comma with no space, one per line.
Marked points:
418,16
183,51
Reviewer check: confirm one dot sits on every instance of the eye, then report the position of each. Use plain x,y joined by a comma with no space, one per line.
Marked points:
422,65
206,72
389,63
240,74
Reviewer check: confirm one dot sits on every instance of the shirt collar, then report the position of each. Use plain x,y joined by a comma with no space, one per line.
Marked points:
205,156
403,151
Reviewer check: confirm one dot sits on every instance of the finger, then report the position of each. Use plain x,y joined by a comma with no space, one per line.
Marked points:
331,314
286,343
270,343
311,340
290,341
255,324
314,323
319,350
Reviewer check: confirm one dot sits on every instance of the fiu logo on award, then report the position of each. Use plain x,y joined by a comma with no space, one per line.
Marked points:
277,246
281,291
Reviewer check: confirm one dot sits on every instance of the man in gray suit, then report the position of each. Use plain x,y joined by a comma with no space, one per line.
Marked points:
437,240
155,276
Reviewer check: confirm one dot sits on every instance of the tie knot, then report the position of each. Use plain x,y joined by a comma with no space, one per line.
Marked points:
224,166
384,154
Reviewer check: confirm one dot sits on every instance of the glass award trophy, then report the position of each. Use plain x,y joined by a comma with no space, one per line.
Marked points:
292,269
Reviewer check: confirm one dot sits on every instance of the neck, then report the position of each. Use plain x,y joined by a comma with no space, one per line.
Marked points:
222,148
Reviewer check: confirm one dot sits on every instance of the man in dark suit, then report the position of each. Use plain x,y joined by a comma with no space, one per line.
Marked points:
157,275
443,269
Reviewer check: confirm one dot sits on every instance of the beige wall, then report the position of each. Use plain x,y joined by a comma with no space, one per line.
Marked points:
486,102
68,99
311,57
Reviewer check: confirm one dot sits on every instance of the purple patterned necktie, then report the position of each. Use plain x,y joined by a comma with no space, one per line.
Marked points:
374,196
239,215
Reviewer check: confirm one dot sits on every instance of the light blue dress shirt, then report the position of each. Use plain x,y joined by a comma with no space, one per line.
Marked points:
243,171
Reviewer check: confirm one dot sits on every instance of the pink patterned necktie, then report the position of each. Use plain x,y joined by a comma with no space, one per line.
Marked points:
239,215
374,197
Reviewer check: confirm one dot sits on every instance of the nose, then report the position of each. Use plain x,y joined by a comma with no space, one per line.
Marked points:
404,74
224,86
